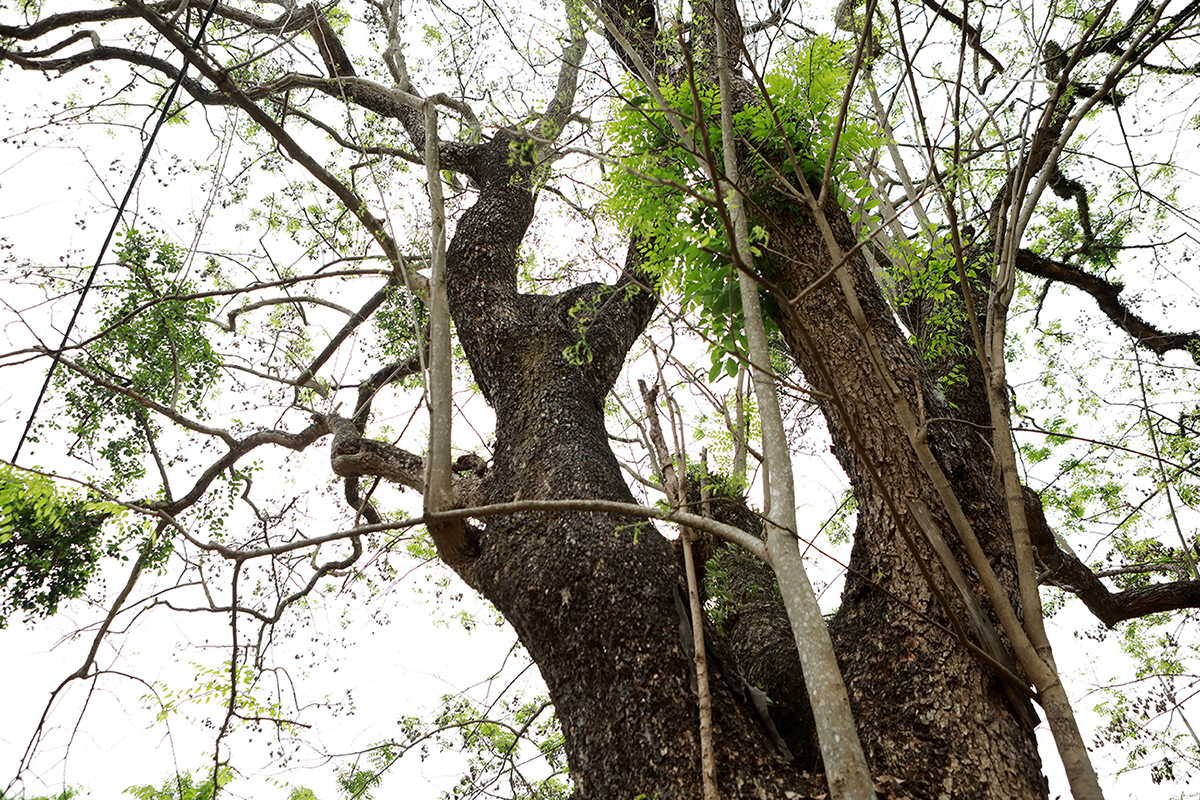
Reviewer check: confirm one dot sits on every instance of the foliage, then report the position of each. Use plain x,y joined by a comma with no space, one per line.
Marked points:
1138,718
358,783
185,786
493,738
211,687
663,193
401,322
155,348
51,544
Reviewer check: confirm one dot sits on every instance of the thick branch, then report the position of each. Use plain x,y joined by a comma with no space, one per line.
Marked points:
973,36
558,111
371,386
382,100
355,456
1107,296
401,102
636,22
1068,572
292,441
32,61
289,21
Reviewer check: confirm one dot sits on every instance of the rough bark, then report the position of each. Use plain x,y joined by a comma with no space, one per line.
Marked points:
928,710
592,596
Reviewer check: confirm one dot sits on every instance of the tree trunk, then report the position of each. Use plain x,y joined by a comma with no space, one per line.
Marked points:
928,710
591,596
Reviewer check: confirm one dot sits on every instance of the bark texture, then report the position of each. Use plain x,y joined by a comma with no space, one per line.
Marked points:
592,596
928,710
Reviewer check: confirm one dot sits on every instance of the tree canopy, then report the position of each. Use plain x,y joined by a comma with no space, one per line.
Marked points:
685,252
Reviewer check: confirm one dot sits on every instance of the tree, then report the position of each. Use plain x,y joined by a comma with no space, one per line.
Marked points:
865,216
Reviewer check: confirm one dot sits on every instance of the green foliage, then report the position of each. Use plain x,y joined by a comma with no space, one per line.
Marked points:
928,281
1137,718
51,544
358,783
806,89
302,793
66,794
714,432
211,687
151,343
930,269
1105,493
732,579
838,526
719,485
183,786
583,313
401,324
420,545
522,152
31,9
663,195
498,741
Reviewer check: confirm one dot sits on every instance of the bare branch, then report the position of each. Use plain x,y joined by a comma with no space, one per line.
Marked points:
230,320
1107,296
1067,572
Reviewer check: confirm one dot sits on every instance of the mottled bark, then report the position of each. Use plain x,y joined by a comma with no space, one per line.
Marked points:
592,596
928,710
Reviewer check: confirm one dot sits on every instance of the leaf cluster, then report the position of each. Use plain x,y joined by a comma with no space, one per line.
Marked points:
492,740
663,193
51,544
183,786
153,342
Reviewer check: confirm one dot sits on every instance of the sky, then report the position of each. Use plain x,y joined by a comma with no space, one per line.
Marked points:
396,653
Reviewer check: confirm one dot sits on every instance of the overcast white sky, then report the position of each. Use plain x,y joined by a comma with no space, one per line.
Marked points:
397,653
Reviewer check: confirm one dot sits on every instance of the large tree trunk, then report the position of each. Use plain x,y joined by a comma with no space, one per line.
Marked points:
928,710
592,596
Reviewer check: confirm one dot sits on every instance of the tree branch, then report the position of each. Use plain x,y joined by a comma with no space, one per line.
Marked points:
1107,296
33,61
239,448
1067,572
289,21
225,83
973,36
